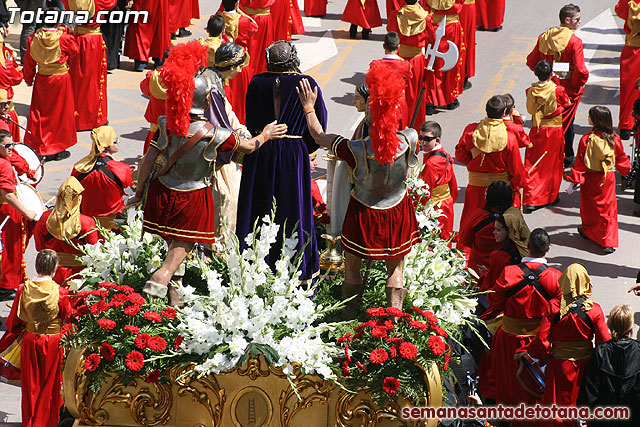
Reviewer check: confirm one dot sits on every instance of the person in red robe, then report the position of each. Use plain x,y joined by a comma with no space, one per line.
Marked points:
287,19
477,232
491,153
315,7
44,307
150,39
51,127
468,19
152,87
180,15
490,14
63,224
14,231
544,158
259,11
629,10
523,293
513,121
438,174
599,152
414,25
10,71
88,69
8,116
363,14
444,87
393,6
103,178
565,340
560,44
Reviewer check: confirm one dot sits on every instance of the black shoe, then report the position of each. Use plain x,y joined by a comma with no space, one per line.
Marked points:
430,109
584,236
48,158
526,209
353,31
455,104
636,213
480,28
139,66
7,294
183,32
608,250
467,84
494,30
365,33
568,161
625,134
174,36
62,155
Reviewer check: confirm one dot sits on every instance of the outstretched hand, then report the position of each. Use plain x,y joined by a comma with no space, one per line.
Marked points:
307,95
635,289
274,130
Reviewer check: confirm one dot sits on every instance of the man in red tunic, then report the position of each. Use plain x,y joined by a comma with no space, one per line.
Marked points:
468,20
629,10
150,39
490,14
491,153
13,232
363,14
8,116
260,12
379,223
64,224
88,69
10,71
444,87
523,292
287,19
438,174
559,44
52,124
103,178
544,159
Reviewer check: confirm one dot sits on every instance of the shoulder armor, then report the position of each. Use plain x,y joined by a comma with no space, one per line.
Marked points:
163,139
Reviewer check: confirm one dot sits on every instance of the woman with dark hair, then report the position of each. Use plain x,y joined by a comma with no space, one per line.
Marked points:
599,152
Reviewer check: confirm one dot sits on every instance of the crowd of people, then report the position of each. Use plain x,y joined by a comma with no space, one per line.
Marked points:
249,103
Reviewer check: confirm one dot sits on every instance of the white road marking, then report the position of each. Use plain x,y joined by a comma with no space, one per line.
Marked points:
314,53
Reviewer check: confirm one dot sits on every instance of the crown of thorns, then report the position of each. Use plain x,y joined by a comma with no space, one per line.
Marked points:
281,53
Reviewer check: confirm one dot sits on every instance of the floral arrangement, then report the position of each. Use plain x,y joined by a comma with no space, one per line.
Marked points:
390,356
123,334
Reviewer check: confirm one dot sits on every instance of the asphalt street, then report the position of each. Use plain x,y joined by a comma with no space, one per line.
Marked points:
339,63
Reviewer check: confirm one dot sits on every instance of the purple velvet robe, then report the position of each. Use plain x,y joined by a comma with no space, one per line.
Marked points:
280,169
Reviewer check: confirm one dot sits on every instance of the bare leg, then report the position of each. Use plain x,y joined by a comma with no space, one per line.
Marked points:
352,284
177,253
395,287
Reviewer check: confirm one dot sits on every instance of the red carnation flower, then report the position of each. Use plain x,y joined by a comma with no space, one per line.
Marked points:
388,324
98,308
100,293
418,325
136,298
379,355
390,385
379,332
119,297
393,311
361,366
431,318
92,362
107,352
417,310
346,352
394,340
142,341
169,312
115,304
134,361
67,328
344,338
376,312
106,323
153,316
178,342
132,310
133,329
107,285
156,344
436,345
447,359
126,289
408,350
345,368
438,330
392,351
153,376
359,327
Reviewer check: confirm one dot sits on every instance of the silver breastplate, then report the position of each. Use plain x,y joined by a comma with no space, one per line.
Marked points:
382,186
193,170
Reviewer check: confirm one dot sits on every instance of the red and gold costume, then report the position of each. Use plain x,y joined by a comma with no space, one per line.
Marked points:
393,6
490,13
150,40
443,87
103,178
545,103
414,24
52,124
491,153
65,222
88,69
629,10
443,187
363,13
10,121
593,170
152,87
476,233
10,71
287,19
403,68
468,19
42,306
524,303
565,340
260,12
315,7
559,44
515,125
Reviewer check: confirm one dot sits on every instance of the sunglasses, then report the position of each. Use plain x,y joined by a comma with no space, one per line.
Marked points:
9,145
426,138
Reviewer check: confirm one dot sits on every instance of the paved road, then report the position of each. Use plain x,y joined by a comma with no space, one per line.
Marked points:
338,63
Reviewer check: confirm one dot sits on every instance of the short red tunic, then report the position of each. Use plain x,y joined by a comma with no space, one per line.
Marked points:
367,16
380,234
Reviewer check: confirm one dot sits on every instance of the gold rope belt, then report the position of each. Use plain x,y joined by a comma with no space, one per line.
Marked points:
407,51
440,193
65,259
252,11
84,30
53,69
553,122
450,18
572,350
481,179
469,1
516,326
49,328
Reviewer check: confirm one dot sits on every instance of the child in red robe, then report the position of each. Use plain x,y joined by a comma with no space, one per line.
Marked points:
362,14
